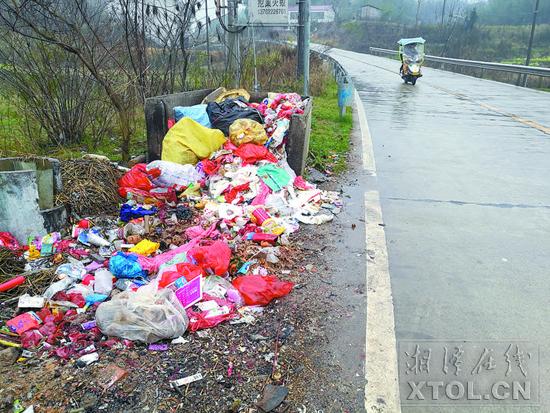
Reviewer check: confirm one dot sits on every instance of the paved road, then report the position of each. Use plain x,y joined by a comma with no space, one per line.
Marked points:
463,172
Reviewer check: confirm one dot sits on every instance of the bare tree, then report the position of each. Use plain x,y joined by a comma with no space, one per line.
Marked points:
56,91
117,41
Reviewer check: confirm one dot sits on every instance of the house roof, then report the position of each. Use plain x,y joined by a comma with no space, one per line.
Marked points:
371,6
321,7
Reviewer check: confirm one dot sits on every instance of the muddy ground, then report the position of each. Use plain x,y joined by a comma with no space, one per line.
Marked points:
311,342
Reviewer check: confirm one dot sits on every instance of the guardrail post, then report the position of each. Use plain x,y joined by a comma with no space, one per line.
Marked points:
345,93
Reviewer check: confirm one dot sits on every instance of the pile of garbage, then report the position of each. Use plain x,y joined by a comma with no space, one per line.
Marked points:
194,243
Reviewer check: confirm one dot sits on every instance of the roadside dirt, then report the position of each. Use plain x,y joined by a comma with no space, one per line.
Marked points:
311,341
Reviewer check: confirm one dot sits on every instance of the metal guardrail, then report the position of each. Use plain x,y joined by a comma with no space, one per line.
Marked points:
502,67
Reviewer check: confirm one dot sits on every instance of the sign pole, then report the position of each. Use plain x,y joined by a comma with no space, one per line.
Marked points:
207,38
300,56
306,46
303,42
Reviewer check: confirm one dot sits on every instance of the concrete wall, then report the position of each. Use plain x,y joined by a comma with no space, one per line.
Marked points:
28,187
19,211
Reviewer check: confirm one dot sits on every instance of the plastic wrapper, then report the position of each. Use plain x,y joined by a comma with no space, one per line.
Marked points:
199,320
146,315
152,264
247,131
220,288
260,290
72,270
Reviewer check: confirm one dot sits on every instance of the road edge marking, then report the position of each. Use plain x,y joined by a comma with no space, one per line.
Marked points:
381,371
368,155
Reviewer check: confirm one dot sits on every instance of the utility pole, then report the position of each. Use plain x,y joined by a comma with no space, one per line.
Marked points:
207,38
417,12
303,42
233,64
530,47
443,13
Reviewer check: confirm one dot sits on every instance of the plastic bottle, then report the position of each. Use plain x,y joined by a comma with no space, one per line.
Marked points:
262,218
57,286
259,216
103,283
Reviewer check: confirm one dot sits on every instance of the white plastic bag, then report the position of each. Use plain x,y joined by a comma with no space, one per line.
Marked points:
148,314
172,173
103,283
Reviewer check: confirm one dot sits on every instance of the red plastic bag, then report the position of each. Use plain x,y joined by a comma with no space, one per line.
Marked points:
136,178
210,167
260,290
251,153
8,240
214,257
232,194
184,269
160,194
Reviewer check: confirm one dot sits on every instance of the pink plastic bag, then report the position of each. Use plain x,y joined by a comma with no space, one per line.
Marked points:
152,264
199,320
262,194
260,290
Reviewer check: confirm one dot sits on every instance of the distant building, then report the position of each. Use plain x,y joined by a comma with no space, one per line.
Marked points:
370,12
317,14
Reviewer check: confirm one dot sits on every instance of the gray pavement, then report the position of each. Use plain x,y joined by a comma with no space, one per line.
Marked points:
464,186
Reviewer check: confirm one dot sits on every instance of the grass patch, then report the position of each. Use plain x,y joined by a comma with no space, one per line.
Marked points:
330,134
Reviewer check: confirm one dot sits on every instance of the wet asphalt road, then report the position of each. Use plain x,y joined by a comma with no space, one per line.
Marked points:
464,185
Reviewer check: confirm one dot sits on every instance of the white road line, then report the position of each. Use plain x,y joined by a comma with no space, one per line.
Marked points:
368,154
382,389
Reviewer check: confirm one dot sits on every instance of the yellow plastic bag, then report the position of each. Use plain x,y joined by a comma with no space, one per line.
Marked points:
247,131
188,142
145,247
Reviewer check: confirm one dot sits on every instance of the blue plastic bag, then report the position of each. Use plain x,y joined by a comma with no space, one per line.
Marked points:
126,265
197,113
127,212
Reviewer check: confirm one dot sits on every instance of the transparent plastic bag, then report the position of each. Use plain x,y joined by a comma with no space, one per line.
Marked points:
146,315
